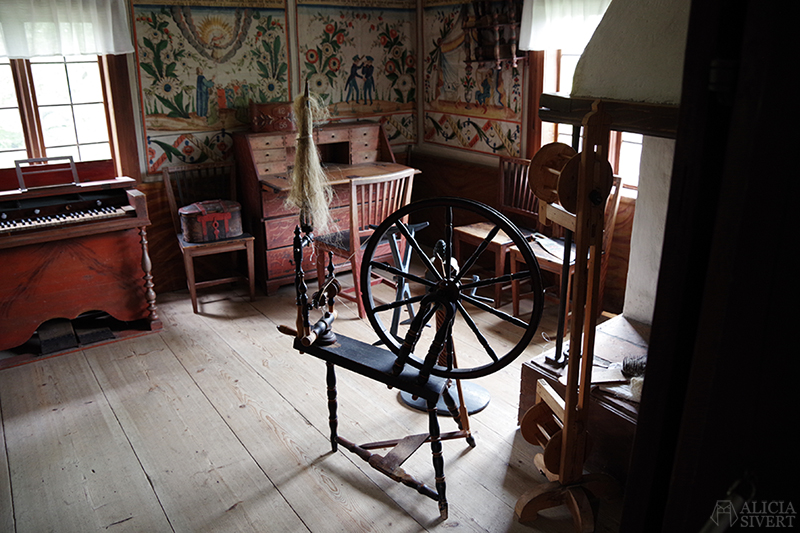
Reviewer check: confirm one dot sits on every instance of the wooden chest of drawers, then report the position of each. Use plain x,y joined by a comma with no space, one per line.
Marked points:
264,167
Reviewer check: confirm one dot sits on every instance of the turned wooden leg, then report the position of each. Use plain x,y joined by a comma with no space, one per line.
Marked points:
438,460
333,421
452,408
150,293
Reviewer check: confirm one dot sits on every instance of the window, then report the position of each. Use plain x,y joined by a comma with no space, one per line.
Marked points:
12,138
59,109
625,148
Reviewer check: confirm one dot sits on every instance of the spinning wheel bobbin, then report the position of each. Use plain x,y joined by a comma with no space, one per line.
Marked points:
554,176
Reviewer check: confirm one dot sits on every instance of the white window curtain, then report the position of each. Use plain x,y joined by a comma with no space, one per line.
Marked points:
560,24
32,28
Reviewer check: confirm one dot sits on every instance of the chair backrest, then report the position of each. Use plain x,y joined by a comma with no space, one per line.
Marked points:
196,183
373,199
516,199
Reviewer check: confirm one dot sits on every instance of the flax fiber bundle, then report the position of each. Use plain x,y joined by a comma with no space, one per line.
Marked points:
310,192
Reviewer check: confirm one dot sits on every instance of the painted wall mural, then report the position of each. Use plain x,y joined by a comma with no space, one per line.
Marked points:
200,67
202,62
362,61
468,105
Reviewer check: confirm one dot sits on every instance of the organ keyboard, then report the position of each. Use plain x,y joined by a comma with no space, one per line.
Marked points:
72,246
38,213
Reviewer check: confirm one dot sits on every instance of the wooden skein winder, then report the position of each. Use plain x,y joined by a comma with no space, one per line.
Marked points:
572,188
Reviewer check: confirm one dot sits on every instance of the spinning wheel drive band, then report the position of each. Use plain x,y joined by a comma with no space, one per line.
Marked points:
447,321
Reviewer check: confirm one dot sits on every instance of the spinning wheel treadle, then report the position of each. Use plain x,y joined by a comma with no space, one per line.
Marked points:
448,294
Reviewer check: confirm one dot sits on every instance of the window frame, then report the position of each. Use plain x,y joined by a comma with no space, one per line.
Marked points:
535,139
117,97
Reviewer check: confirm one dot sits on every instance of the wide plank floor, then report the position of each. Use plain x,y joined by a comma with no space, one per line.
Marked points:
216,424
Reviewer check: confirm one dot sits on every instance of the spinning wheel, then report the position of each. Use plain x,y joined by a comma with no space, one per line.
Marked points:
445,298
443,293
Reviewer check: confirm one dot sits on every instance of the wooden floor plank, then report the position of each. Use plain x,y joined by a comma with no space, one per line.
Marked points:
6,504
205,479
301,380
326,493
72,468
369,412
230,424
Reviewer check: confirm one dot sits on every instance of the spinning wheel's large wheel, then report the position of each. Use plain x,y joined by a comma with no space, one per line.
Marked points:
448,315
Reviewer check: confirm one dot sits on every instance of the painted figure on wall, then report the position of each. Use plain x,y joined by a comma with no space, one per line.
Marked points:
361,61
369,81
485,91
204,85
352,83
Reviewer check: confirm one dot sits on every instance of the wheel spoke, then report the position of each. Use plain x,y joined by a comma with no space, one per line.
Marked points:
496,312
398,303
397,272
416,247
490,282
477,253
481,338
449,240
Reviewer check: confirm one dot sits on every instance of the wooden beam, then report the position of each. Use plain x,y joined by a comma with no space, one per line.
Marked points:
656,120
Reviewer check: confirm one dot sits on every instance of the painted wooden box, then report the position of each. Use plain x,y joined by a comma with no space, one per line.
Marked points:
211,220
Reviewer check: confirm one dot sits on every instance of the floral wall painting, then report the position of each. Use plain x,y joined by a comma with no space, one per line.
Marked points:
187,148
469,105
200,67
362,62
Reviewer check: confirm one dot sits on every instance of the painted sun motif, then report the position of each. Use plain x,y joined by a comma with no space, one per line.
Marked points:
215,36
214,32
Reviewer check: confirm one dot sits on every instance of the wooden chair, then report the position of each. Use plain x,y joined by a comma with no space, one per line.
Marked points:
372,199
186,185
516,201
549,253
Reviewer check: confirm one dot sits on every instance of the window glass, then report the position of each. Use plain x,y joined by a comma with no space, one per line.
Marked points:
50,82
84,83
90,123
630,153
61,151
12,140
58,126
95,152
71,109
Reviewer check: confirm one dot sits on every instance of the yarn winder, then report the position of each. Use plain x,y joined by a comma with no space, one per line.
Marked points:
573,188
